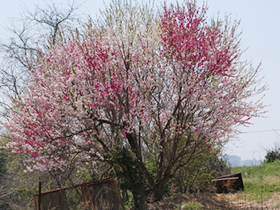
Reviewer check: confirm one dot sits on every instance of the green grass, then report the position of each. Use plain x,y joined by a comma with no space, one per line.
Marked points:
260,181
263,178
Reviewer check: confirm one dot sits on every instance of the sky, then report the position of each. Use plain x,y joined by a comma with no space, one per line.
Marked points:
260,26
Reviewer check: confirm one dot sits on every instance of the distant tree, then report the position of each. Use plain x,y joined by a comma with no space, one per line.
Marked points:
272,156
167,84
273,153
32,30
218,165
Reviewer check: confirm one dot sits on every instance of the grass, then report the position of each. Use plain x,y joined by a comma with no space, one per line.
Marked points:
262,191
260,181
258,197
263,178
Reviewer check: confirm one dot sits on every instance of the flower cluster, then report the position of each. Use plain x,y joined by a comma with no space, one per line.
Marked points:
164,84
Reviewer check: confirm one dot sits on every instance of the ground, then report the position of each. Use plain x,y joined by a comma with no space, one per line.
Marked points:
219,201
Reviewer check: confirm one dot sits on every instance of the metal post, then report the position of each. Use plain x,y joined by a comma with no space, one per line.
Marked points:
40,190
35,201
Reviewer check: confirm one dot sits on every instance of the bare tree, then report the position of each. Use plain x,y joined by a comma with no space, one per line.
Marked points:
34,30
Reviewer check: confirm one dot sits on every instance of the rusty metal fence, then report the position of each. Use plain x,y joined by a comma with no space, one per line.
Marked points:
98,195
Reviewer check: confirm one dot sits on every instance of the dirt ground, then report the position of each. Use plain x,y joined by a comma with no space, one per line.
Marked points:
218,201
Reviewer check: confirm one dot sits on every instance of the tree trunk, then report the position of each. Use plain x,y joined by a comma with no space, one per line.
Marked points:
158,191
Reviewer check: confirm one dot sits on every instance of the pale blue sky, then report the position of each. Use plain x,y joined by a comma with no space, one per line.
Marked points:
260,22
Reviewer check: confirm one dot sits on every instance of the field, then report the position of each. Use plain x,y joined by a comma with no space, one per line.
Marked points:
264,178
262,191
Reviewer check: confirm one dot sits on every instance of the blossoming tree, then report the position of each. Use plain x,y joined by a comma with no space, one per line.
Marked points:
161,84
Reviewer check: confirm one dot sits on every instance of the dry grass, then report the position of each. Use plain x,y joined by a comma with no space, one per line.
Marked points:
213,201
272,180
252,201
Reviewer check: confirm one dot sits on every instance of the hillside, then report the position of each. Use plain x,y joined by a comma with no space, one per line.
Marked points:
264,177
